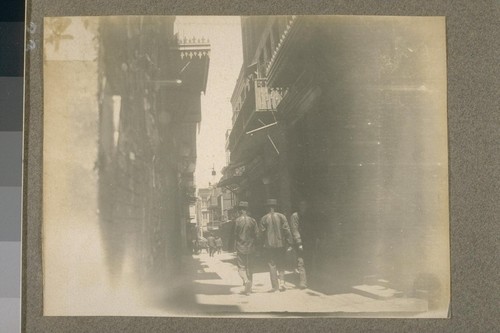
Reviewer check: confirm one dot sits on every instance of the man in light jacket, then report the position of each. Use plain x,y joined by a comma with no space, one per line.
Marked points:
277,240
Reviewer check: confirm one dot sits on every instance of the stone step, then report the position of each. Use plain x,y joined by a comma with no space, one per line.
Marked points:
383,282
375,280
377,291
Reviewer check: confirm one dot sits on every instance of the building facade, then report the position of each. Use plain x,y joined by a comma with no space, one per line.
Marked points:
151,83
345,113
202,211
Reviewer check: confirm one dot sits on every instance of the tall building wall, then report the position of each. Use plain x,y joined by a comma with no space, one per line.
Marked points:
148,143
378,140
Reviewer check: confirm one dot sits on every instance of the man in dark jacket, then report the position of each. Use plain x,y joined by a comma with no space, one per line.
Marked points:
246,234
304,240
278,238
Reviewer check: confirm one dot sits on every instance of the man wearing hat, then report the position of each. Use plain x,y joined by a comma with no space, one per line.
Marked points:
246,233
304,239
278,237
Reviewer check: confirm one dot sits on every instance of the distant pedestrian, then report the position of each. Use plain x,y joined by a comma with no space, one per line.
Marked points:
304,241
246,234
212,246
278,240
218,243
202,245
195,246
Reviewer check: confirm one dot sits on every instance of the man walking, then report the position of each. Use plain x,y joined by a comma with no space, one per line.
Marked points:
299,222
278,238
246,233
211,244
218,242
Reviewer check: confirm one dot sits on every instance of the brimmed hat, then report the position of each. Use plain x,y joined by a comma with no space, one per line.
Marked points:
272,202
243,204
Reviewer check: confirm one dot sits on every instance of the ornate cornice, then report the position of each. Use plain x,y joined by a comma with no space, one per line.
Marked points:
192,47
282,41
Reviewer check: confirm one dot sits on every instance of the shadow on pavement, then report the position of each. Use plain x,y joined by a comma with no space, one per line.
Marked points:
260,264
180,298
325,285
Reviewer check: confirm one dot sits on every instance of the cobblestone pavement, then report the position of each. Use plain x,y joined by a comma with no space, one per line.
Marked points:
216,289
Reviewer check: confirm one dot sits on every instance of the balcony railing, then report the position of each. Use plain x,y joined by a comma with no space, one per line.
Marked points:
266,99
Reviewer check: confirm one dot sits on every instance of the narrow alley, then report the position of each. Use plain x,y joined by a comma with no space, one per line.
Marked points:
185,133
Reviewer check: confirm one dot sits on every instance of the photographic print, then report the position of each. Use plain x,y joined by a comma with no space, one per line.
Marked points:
260,166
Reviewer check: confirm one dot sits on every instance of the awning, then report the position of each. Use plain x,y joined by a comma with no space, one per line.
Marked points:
232,175
238,172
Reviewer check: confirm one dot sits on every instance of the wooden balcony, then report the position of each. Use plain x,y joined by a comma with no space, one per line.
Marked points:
258,107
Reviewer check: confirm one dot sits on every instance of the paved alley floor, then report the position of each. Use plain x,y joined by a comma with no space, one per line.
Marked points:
216,287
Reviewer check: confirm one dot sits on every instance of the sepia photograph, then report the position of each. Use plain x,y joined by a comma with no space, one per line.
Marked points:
245,166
